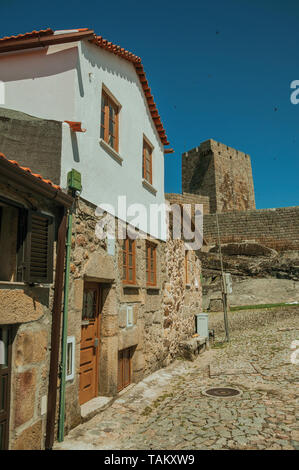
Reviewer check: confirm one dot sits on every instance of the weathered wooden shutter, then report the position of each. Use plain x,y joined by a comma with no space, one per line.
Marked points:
39,248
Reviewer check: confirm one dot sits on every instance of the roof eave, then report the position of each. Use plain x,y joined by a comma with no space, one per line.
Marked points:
45,41
29,181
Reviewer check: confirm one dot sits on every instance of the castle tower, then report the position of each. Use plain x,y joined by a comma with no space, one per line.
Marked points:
221,173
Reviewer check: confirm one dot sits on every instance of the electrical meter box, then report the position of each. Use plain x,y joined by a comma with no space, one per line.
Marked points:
74,180
202,324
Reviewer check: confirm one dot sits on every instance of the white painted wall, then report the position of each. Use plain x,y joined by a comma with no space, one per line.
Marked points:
65,83
41,82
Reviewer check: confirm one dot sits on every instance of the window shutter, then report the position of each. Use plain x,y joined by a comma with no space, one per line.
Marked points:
39,248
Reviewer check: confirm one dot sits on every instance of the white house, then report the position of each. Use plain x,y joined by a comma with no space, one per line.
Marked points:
101,90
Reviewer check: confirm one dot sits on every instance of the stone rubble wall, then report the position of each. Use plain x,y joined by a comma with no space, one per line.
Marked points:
221,173
28,310
187,198
162,316
274,228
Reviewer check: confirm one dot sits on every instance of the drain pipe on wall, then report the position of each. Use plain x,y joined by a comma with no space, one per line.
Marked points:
64,328
74,185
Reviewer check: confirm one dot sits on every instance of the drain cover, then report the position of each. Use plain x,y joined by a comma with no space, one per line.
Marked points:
222,392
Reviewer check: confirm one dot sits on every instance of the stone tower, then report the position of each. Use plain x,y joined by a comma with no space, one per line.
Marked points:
221,173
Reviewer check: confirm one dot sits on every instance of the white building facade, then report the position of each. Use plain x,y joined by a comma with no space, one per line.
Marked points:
65,82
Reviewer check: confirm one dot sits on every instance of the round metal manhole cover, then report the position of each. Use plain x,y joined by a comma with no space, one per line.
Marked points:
222,392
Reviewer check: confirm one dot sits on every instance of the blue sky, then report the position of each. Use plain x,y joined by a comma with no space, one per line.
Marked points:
218,69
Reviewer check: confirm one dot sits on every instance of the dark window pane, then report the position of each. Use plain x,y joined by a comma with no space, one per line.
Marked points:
3,348
89,304
2,425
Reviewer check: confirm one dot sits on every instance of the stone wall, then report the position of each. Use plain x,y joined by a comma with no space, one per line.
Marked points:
187,198
162,316
38,139
274,228
222,174
243,320
28,311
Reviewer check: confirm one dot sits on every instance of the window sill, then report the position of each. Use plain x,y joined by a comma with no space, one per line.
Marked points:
12,283
24,284
131,286
152,288
111,151
149,187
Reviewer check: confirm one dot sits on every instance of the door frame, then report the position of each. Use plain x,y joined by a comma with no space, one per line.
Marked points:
99,305
5,415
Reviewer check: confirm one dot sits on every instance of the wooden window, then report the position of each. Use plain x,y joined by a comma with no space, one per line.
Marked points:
129,261
109,121
28,238
147,163
39,246
186,267
151,264
124,368
90,303
5,374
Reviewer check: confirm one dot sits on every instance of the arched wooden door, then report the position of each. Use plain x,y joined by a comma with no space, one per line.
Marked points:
90,342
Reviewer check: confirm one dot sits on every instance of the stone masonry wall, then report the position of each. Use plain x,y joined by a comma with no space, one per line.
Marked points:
28,310
162,316
220,172
187,198
275,228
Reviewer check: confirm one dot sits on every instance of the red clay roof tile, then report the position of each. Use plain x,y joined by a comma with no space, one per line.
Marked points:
33,34
121,52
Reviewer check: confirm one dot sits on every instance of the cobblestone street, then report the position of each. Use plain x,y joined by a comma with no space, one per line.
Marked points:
169,411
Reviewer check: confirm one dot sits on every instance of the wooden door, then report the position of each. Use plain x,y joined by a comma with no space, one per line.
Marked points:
124,368
5,373
90,342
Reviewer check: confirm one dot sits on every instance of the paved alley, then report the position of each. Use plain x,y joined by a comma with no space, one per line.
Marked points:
168,409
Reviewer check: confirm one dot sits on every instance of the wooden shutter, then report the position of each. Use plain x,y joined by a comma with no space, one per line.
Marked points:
39,248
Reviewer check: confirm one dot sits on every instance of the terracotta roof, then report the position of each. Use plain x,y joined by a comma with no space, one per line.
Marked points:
114,49
33,34
136,61
27,170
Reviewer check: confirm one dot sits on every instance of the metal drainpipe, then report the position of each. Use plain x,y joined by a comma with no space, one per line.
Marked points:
64,328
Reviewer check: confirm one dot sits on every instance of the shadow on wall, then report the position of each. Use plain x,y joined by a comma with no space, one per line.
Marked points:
75,147
49,64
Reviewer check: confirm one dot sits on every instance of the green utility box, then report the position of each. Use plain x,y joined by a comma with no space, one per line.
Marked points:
74,180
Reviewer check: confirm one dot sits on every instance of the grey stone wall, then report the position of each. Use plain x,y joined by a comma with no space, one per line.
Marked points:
220,172
32,142
275,228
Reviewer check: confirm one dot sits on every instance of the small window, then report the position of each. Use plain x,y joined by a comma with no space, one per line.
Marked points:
109,121
151,264
147,163
129,261
70,358
27,238
124,368
129,315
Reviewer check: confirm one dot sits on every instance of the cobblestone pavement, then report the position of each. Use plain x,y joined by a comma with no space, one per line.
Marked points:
169,411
